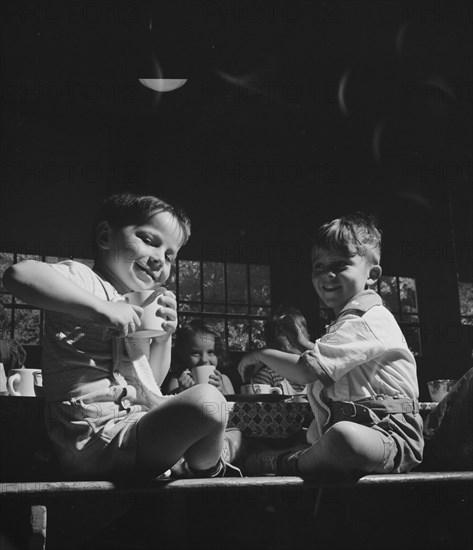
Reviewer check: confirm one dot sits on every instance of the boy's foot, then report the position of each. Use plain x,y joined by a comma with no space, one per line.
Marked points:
281,462
233,445
261,463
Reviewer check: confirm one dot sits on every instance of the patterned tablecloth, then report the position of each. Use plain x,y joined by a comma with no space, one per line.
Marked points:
278,420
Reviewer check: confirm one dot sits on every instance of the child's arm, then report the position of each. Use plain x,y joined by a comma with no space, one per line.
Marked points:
39,285
295,368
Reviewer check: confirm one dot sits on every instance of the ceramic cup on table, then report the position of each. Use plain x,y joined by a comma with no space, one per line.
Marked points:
20,382
151,324
254,389
201,373
438,389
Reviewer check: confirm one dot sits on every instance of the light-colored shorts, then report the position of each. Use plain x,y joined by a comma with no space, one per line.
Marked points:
95,440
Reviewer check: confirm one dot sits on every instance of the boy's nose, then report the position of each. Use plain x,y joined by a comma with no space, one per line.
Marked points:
156,260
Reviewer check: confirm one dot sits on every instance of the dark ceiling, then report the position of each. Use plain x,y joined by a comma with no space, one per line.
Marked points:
311,107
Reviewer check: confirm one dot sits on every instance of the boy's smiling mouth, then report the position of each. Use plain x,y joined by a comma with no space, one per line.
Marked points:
331,288
144,269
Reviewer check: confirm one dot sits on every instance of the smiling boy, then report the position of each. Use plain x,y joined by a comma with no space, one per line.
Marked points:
105,413
361,376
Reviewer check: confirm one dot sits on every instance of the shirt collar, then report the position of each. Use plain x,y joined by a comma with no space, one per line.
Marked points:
363,301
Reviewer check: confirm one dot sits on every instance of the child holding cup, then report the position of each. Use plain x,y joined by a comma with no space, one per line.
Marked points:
105,413
199,355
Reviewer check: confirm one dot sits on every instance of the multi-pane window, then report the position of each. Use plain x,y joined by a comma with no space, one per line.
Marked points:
236,298
23,322
399,295
465,291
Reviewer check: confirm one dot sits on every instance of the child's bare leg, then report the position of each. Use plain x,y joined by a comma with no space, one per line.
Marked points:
345,448
190,424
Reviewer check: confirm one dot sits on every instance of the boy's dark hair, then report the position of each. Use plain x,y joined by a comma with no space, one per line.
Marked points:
353,234
184,333
123,209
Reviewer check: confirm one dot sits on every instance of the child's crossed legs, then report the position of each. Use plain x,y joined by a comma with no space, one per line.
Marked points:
190,425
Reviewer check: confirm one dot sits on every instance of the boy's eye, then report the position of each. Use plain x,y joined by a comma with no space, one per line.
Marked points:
146,239
170,258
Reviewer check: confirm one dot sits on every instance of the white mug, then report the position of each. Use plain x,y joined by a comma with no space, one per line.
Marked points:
252,389
20,382
151,324
201,373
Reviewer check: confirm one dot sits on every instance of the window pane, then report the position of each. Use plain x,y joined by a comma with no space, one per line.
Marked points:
55,259
407,289
412,337
6,260
238,336
6,298
263,311
214,282
238,309
466,320
258,339
5,327
189,307
27,325
214,308
189,280
388,292
187,318
23,257
237,289
260,284
465,291
218,324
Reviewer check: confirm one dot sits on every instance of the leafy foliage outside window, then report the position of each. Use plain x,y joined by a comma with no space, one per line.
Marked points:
465,291
399,295
235,298
23,322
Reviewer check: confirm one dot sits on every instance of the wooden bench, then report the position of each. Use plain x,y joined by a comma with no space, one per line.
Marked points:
74,504
76,511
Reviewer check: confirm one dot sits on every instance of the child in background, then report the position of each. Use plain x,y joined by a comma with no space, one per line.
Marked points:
105,413
197,343
361,371
290,332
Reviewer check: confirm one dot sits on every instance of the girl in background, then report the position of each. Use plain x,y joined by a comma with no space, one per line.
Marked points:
198,343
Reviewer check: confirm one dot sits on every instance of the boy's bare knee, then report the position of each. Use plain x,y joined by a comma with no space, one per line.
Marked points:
346,439
212,403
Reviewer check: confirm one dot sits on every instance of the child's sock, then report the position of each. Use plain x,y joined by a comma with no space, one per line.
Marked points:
214,471
287,464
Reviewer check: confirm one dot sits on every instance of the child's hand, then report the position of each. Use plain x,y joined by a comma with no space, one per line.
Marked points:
168,310
185,380
215,379
121,317
249,365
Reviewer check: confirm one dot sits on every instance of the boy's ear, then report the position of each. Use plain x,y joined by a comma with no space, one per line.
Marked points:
103,235
374,274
